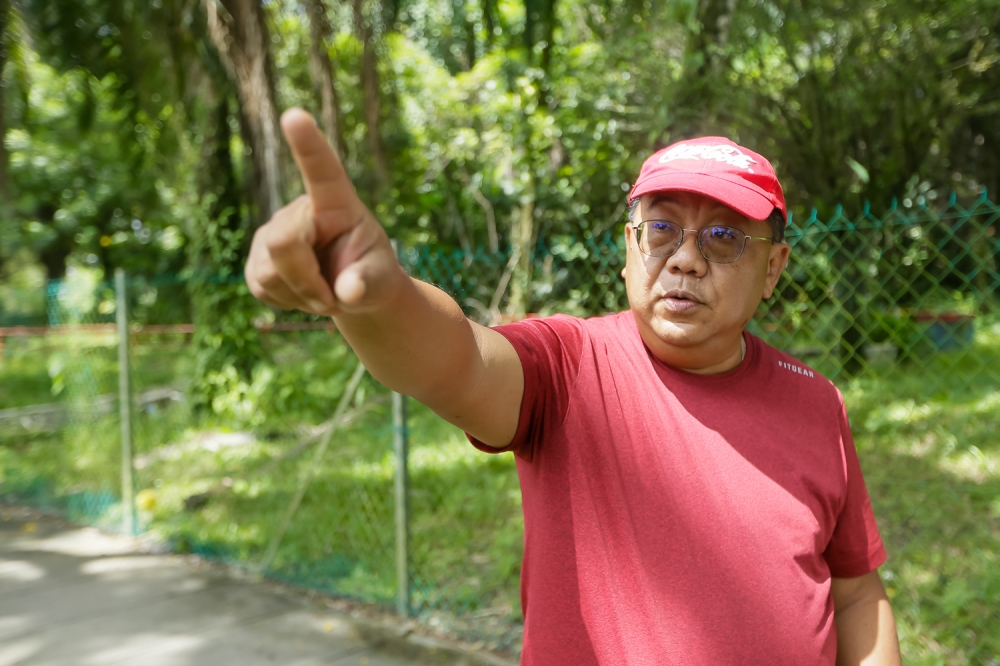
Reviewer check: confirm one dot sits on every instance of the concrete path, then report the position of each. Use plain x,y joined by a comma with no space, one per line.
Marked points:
75,596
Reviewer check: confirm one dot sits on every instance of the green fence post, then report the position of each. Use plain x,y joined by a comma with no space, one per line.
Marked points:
125,403
402,492
401,444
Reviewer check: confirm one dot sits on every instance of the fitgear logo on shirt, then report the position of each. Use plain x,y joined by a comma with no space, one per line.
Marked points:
796,369
731,155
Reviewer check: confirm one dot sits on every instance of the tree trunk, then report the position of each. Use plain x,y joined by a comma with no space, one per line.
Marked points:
539,26
54,254
489,11
4,19
703,63
321,69
219,176
548,36
372,97
241,38
522,241
53,257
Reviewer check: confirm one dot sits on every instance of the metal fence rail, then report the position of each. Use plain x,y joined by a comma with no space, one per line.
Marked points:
909,296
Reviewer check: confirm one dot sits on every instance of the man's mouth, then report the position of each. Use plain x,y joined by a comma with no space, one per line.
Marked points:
679,300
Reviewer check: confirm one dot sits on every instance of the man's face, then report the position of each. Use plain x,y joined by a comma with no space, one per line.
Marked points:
689,310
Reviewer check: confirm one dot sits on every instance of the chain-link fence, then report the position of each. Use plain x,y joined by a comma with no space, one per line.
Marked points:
225,462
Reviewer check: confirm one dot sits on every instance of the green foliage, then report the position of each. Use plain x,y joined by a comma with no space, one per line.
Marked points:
229,347
301,381
24,379
92,205
223,311
487,107
856,98
484,104
22,291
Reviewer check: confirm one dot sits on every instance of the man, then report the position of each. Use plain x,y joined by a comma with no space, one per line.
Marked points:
691,495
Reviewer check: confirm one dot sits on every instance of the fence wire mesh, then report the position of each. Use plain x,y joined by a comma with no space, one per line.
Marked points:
905,303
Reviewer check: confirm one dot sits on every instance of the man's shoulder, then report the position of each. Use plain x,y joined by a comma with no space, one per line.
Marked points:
785,360
784,367
563,324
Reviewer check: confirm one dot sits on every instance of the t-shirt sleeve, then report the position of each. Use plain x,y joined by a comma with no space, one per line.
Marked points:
550,350
856,547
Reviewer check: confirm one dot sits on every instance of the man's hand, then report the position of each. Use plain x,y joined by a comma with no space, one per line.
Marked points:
866,629
324,252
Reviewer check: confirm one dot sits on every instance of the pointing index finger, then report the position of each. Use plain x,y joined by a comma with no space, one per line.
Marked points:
325,179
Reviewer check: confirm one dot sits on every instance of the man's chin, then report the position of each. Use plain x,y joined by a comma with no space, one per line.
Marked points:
679,333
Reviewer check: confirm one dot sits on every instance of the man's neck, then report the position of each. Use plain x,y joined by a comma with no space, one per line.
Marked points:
731,362
722,358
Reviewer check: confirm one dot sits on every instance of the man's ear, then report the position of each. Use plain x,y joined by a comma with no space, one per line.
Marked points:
628,239
776,261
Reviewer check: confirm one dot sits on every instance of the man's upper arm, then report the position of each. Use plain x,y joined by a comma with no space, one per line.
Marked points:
849,591
520,383
486,402
866,629
855,547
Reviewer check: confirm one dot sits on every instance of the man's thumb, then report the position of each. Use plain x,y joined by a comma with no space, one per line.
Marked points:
349,286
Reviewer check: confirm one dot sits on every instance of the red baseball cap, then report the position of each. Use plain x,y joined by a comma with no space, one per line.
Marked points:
719,169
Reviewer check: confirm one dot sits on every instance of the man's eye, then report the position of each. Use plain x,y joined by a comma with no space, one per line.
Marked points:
723,234
660,226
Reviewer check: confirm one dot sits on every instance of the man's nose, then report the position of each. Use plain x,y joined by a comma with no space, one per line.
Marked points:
688,258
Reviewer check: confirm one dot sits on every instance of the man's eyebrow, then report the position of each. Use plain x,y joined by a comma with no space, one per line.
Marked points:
668,199
662,199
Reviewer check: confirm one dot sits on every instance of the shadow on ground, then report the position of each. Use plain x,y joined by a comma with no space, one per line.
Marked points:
72,595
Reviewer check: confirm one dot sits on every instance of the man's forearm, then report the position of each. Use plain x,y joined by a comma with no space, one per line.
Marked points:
415,343
866,634
421,344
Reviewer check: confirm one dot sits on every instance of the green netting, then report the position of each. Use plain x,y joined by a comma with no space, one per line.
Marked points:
68,434
910,291
900,309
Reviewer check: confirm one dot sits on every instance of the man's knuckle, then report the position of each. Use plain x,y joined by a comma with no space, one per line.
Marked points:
310,294
286,238
257,290
284,244
291,208
269,278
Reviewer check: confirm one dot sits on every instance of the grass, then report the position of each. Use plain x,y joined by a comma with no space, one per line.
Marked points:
927,437
465,535
930,448
24,372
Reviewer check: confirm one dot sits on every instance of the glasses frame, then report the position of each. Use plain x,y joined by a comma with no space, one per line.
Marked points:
637,227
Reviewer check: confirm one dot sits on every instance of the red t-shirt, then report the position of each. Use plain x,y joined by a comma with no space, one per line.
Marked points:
673,518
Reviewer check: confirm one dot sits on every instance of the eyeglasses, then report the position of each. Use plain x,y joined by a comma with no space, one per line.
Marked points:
717,243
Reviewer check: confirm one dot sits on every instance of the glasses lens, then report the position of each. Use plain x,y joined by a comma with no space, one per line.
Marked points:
722,245
661,238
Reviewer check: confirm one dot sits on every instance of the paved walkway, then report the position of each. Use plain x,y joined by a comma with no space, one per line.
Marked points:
71,595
